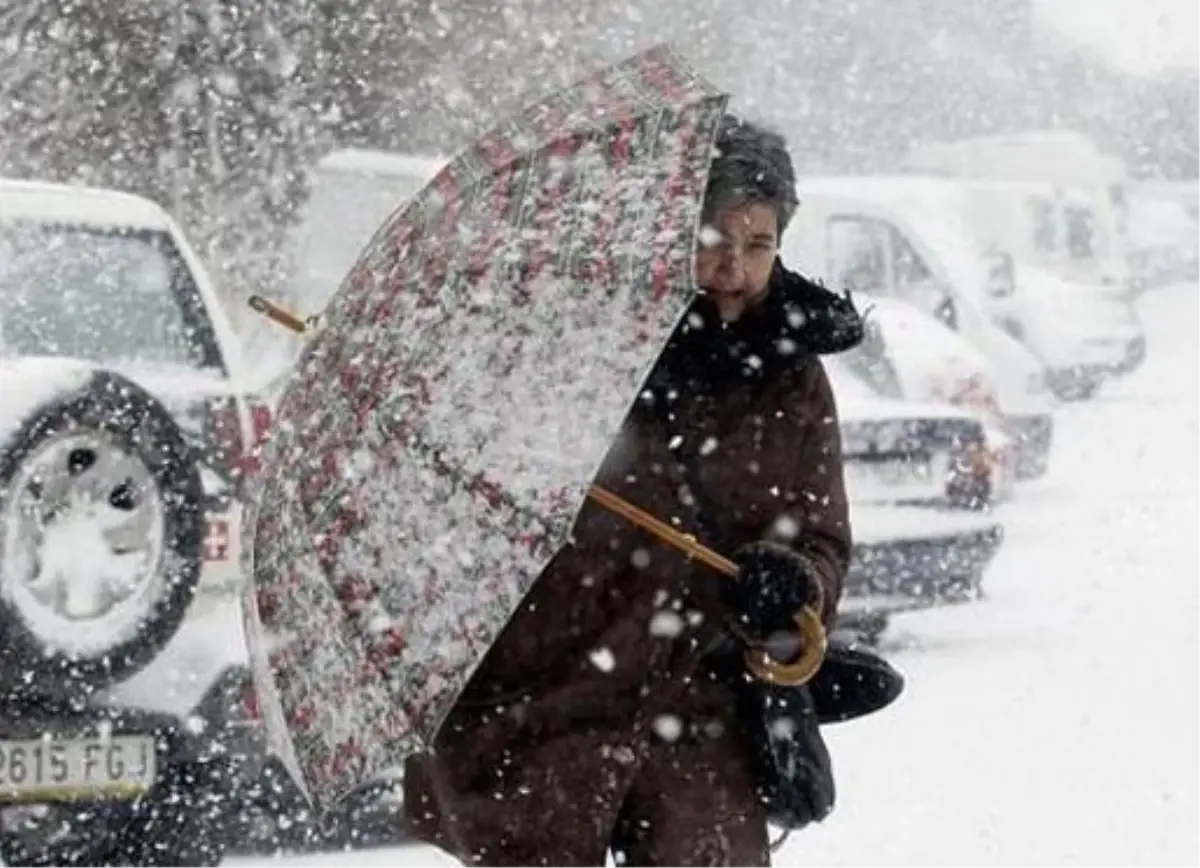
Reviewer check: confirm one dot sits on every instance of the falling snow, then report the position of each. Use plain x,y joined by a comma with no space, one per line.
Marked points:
280,137
603,659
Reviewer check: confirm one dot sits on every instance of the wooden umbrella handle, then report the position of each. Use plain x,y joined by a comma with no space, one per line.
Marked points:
758,661
278,314
686,543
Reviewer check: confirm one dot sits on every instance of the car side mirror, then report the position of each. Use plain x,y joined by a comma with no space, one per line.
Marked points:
947,313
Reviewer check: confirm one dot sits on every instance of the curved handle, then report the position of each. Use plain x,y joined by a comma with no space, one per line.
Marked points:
814,642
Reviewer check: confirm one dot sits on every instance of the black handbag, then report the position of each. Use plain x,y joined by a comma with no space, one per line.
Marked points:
791,761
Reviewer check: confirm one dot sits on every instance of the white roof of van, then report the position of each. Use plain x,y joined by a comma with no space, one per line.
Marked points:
369,162
881,188
68,203
917,186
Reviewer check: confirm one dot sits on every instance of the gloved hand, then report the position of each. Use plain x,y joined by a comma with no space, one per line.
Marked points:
775,582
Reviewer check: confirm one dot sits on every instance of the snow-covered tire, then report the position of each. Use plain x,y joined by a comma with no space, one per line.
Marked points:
1072,386
101,534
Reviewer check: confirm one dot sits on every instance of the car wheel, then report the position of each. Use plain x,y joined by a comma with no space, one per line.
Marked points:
1073,386
101,528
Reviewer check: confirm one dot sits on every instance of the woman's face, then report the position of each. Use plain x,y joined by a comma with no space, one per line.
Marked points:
735,256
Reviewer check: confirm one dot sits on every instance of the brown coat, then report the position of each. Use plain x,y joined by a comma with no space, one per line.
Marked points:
593,721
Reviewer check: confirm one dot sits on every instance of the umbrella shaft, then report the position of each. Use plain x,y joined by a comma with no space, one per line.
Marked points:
689,545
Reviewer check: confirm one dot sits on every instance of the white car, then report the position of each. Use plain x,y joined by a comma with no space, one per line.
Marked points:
922,536
1082,334
919,358
123,441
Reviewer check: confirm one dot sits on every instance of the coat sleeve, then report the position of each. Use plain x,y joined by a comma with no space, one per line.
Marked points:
816,522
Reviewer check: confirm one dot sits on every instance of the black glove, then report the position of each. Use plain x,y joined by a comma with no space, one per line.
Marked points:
774,583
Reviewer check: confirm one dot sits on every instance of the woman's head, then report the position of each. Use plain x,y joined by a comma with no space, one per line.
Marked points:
750,198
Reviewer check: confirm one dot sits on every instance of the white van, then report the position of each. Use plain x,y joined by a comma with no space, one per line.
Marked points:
1054,199
925,258
353,191
911,238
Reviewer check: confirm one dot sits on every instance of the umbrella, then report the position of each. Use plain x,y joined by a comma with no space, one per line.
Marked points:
440,430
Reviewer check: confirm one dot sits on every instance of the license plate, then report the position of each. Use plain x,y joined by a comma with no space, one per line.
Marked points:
113,767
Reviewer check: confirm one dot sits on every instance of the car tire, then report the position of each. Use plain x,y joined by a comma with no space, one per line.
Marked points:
129,432
1072,386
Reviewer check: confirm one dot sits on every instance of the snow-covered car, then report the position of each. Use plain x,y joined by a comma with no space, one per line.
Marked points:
914,483
122,442
1084,336
1164,240
910,355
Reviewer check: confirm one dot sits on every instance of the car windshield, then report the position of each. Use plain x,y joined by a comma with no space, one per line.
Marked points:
865,372
861,376
107,296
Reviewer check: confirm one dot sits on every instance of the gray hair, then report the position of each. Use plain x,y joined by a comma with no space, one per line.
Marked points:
750,164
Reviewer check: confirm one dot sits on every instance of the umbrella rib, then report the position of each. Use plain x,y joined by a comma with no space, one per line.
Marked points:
476,483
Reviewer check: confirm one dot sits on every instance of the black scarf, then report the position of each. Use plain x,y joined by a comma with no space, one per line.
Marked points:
796,320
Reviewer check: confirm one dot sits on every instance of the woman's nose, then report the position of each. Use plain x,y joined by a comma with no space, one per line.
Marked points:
732,272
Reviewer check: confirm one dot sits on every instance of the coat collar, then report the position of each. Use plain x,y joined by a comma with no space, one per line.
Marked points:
797,320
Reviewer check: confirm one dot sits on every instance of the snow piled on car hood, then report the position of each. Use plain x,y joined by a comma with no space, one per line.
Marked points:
29,383
855,408
176,384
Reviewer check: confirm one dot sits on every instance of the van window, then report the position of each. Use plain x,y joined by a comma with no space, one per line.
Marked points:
873,256
914,281
1045,224
1081,232
870,363
857,253
908,268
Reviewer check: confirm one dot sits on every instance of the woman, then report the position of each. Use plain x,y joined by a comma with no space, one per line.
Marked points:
600,718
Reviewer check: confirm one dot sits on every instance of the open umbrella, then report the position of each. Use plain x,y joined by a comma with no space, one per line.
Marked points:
441,428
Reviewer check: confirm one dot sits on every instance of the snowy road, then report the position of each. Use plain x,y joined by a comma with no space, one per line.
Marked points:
1057,721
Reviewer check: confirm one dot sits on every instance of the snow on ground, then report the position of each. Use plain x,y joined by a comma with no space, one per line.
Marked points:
1056,722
